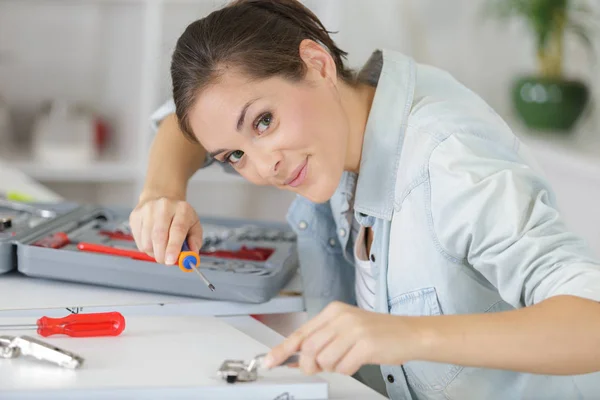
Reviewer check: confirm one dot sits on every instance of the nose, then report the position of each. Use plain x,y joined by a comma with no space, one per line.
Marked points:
268,166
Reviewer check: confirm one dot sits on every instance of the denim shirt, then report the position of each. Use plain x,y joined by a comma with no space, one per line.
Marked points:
463,220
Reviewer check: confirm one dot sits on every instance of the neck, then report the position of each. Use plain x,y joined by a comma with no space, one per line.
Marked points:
356,101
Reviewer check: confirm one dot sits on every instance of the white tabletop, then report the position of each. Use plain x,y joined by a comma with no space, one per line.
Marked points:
340,386
167,357
22,295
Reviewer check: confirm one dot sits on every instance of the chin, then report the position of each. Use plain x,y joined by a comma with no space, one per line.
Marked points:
319,193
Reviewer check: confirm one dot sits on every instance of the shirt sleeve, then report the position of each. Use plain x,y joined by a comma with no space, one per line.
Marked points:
493,211
168,108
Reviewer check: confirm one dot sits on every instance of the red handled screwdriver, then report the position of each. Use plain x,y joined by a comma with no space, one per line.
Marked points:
77,325
114,251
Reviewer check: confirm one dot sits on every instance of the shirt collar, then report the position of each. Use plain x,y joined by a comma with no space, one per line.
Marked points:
384,135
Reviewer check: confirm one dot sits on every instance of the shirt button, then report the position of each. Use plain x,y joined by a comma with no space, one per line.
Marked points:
342,232
332,242
302,225
372,257
390,378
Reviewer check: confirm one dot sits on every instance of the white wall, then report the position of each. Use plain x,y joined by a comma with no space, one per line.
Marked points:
92,50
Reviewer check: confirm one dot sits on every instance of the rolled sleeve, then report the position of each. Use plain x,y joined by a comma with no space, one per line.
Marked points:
493,210
166,109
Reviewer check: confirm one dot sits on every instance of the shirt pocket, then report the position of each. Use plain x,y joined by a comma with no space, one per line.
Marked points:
422,376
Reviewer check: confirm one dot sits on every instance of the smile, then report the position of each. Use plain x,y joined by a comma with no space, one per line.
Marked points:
298,176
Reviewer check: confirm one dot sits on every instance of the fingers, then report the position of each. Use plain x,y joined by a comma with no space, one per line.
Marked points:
162,216
293,343
332,352
135,224
352,360
195,237
180,226
312,347
160,227
146,231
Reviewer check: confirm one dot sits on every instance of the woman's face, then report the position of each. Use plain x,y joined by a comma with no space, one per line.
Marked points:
292,135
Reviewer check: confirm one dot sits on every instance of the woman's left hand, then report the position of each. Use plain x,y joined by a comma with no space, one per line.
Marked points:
342,338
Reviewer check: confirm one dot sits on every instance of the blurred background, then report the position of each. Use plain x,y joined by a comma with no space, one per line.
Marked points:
79,80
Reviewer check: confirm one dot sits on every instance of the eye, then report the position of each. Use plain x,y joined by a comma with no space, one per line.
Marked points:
263,122
235,156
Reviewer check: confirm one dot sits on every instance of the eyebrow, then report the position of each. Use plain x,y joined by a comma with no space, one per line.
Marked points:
212,154
240,121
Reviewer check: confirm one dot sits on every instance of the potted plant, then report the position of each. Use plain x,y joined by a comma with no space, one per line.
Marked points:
548,100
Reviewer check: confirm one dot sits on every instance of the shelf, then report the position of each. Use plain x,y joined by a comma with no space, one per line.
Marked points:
100,172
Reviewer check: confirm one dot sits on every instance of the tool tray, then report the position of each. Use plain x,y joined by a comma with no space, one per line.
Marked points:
24,219
270,246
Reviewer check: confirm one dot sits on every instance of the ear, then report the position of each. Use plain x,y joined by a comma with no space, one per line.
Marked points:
319,62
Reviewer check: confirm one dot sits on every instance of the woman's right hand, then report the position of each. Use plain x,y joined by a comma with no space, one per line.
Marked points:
160,226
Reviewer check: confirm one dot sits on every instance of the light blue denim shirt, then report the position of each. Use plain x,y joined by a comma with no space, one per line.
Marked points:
463,220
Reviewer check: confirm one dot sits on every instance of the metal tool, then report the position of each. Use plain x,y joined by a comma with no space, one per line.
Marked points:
67,236
5,350
240,371
117,231
5,223
76,325
255,233
242,253
15,346
188,260
237,267
18,206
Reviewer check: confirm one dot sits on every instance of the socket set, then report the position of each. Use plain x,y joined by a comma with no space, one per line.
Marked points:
248,261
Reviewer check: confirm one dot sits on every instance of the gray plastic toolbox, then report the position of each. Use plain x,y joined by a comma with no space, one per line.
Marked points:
18,219
247,261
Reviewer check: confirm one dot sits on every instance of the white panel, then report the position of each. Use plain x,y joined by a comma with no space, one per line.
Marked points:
156,357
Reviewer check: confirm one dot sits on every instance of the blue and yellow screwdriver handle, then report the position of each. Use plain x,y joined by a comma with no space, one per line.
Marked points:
189,261
187,258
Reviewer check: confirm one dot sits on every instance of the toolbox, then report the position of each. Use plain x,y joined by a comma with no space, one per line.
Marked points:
246,261
20,219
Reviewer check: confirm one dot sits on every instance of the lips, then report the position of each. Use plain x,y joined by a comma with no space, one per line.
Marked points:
298,176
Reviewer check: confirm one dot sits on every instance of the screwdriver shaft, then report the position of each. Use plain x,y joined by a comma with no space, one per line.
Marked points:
206,281
17,327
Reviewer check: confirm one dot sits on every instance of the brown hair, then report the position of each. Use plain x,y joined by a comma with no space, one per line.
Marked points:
261,37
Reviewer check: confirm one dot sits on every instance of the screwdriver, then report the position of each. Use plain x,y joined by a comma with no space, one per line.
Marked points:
77,325
114,251
188,261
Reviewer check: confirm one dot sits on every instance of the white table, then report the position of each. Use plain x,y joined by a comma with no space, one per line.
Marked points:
340,386
21,295
173,340
186,365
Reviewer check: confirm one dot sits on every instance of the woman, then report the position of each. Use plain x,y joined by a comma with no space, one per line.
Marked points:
429,244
